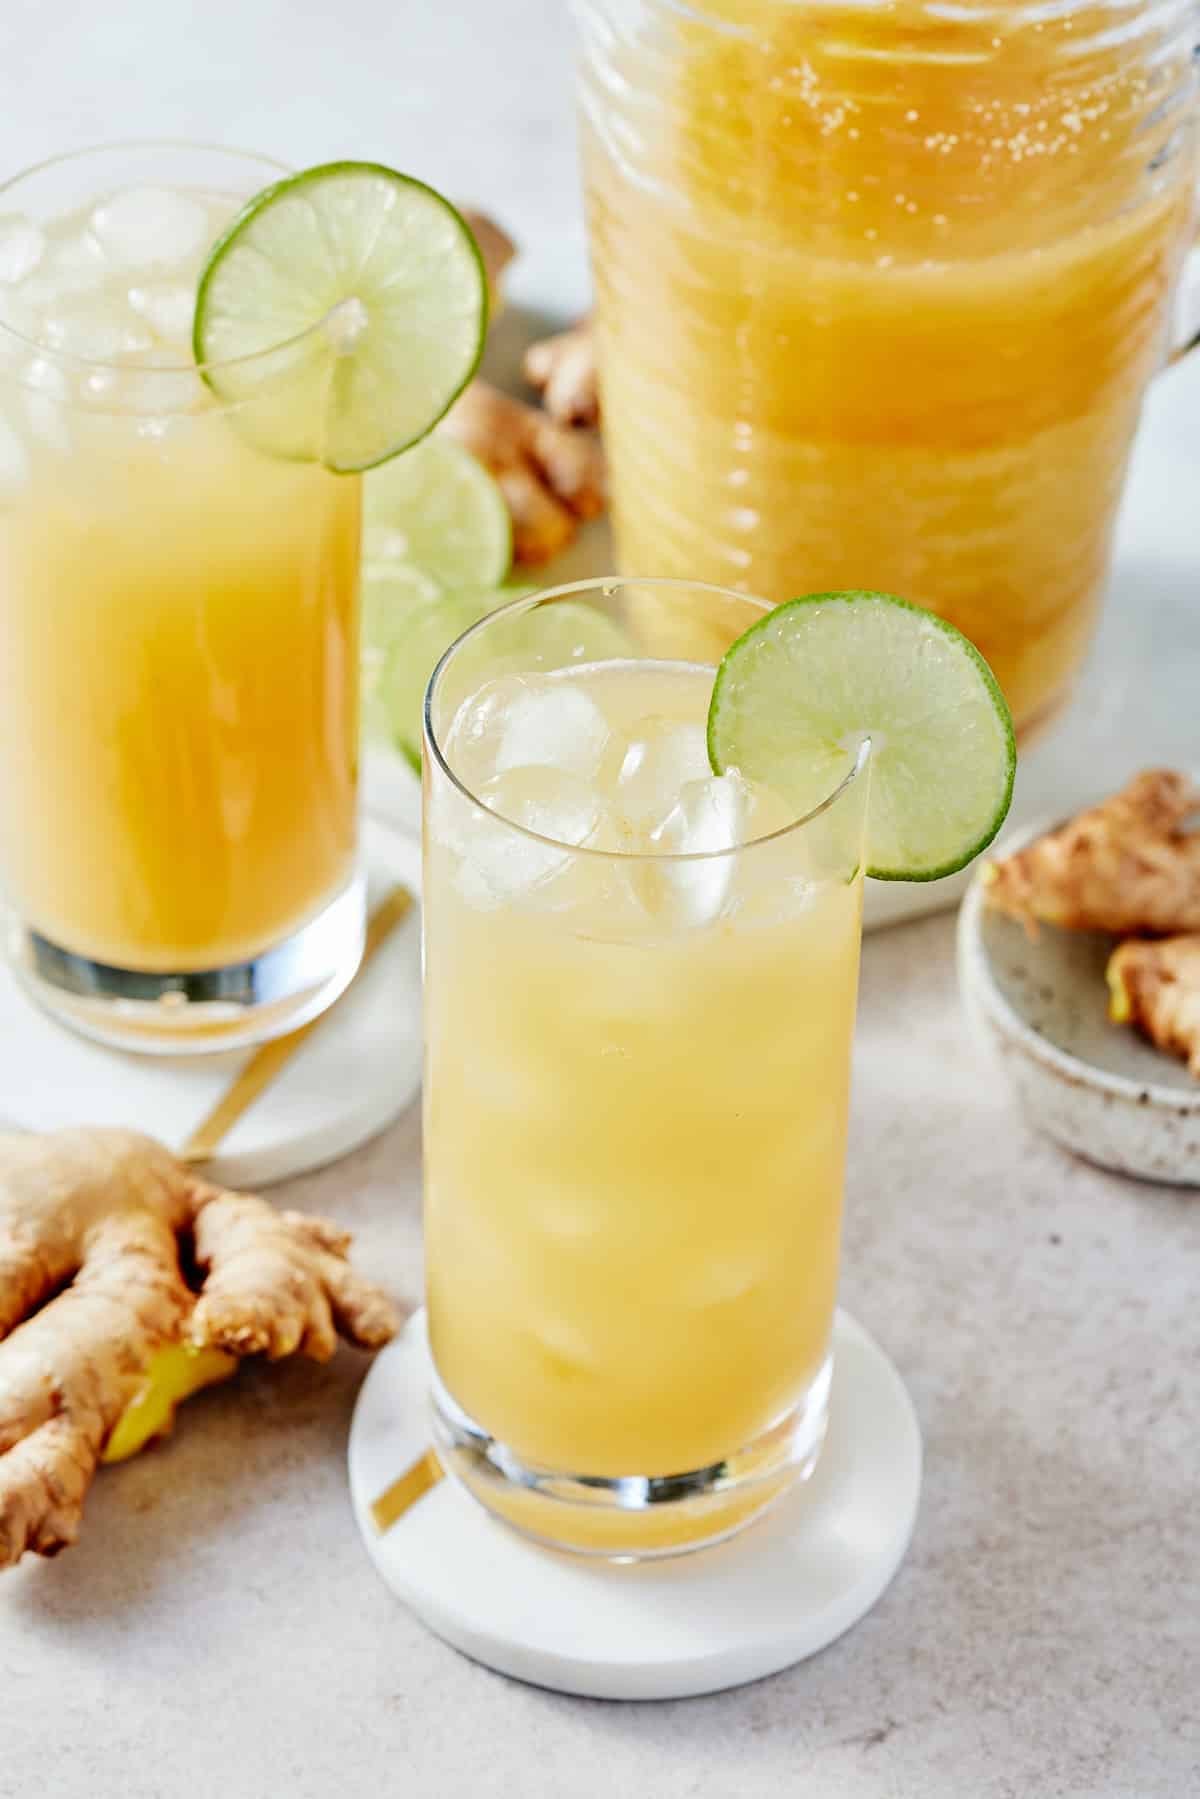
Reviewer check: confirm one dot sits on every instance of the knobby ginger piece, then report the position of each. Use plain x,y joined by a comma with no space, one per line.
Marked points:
1156,987
496,248
1128,866
93,1297
563,369
551,477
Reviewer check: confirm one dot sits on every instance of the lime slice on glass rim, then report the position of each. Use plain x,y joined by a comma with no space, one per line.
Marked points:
796,695
368,288
439,509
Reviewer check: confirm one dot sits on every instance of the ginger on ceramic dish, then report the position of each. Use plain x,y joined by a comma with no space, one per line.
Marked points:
1155,986
1130,866
127,1281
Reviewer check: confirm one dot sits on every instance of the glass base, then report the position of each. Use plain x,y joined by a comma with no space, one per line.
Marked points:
633,1518
205,1011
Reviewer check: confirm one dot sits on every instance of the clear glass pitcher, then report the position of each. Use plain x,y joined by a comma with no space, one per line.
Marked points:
879,290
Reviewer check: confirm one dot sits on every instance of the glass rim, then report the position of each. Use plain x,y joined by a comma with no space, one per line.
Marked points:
277,169
608,585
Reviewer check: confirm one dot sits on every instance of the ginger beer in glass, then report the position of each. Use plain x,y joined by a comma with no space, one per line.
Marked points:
178,631
640,993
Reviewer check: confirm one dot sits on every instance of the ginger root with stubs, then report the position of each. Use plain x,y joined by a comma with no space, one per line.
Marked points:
1129,866
550,472
563,369
1155,986
496,249
115,1258
551,476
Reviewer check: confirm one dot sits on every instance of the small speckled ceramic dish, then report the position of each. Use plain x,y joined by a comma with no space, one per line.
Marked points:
1099,1089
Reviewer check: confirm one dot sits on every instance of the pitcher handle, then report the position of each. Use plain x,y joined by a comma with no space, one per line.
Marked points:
1192,341
1184,349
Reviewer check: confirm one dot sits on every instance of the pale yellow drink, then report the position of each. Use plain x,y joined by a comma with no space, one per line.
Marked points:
178,701
178,619
879,290
636,1094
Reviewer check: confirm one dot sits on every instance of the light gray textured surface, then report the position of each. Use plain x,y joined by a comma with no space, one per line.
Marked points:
219,1631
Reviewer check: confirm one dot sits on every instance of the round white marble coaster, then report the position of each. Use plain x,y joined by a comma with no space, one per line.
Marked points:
355,1072
784,1588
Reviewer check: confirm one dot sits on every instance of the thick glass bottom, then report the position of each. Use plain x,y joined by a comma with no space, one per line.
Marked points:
197,1013
635,1517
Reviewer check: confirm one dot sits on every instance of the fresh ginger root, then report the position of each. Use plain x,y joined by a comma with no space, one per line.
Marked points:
563,369
1156,988
1128,866
496,248
551,476
93,1296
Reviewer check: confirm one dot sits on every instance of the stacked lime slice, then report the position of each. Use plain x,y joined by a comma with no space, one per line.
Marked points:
437,547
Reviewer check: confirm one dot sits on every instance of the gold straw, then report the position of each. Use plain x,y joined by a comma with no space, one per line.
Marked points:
405,1491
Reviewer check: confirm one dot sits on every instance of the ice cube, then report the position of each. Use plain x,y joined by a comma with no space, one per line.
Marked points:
709,817
561,1348
726,1277
553,724
158,383
70,265
144,227
16,316
46,400
21,246
500,863
101,384
14,459
98,329
168,310
525,721
768,811
663,755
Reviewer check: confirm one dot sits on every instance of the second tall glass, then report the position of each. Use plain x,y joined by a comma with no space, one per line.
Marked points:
178,630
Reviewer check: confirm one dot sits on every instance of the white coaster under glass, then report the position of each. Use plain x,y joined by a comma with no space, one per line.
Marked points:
356,1071
781,1590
